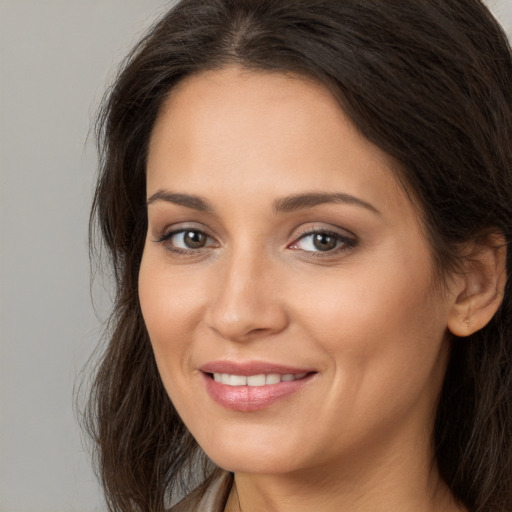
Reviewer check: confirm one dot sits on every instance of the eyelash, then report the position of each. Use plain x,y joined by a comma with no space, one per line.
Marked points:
166,238
345,243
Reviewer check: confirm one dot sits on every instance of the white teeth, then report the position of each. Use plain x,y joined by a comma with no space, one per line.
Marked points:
256,380
237,380
273,378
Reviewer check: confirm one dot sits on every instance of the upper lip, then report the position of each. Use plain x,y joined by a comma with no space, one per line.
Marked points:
249,368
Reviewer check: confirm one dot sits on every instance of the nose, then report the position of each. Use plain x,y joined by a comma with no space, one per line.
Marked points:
248,302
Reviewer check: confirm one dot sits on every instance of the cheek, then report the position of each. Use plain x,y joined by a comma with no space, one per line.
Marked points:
355,303
170,307
383,330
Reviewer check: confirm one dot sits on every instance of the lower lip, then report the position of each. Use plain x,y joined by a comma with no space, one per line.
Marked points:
252,398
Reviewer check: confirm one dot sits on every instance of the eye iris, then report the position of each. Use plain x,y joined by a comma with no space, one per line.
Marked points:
324,242
194,239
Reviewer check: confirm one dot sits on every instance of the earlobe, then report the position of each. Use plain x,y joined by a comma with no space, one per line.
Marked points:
481,286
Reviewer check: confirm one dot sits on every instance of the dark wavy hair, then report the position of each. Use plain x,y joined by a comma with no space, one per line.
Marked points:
430,83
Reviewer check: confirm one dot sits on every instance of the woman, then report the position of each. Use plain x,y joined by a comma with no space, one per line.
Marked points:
307,207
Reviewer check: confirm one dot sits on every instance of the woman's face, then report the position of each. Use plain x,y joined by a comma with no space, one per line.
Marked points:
286,284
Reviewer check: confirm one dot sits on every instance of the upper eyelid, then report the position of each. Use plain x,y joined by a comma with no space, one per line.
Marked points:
296,234
322,231
165,241
311,230
348,240
166,235
183,226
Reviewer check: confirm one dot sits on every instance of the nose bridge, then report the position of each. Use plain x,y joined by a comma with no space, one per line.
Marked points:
247,301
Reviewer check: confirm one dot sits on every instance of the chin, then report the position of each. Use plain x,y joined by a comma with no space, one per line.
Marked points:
251,464
254,456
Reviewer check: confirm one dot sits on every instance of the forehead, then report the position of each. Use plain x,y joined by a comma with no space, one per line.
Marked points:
224,129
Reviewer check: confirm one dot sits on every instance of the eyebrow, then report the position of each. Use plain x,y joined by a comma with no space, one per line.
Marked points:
188,200
284,205
300,201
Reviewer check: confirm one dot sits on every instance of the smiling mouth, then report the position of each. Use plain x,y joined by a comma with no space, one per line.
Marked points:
252,386
255,380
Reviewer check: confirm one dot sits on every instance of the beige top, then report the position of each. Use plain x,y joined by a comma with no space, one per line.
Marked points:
212,500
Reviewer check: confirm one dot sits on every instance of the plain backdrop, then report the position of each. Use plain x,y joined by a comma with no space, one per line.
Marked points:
56,59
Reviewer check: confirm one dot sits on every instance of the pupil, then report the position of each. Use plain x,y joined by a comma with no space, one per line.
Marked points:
324,242
195,239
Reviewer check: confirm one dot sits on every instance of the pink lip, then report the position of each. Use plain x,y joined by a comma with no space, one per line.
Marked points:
251,398
251,368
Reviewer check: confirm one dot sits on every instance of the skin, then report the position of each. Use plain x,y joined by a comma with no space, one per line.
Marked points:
367,316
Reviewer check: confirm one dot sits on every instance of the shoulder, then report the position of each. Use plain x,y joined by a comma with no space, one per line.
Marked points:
211,496
189,503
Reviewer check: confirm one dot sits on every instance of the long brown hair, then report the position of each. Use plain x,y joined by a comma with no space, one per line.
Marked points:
430,83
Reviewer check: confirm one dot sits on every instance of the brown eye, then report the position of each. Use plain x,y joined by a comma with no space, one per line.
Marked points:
324,242
185,240
194,239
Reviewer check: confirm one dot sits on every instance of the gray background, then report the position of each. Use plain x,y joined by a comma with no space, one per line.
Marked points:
56,57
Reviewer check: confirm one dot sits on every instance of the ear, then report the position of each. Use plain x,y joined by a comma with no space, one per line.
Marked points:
480,287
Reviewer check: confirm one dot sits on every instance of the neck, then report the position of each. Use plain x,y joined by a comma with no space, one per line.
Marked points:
384,483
